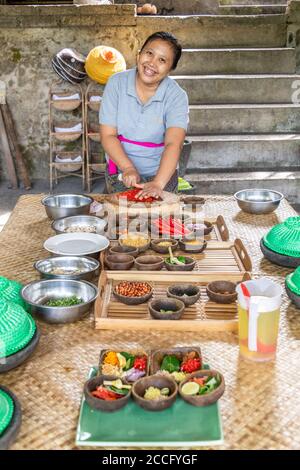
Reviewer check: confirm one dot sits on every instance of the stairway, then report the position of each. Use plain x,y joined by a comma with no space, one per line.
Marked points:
244,126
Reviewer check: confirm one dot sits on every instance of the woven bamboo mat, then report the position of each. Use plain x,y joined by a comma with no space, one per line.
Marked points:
260,407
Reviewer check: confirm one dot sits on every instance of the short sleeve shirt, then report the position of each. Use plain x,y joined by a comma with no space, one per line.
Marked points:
121,108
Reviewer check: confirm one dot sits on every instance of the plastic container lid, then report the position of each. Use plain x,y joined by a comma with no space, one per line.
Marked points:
293,281
6,410
284,238
10,291
17,328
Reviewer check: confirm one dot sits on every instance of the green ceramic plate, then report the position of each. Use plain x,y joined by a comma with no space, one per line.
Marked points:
180,425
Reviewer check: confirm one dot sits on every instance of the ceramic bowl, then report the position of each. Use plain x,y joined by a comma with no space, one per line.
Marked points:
163,249
149,263
140,386
179,352
186,245
188,266
134,235
119,262
188,294
176,306
133,300
103,405
222,292
122,249
208,398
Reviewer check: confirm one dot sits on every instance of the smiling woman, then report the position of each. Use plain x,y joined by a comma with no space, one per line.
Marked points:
143,121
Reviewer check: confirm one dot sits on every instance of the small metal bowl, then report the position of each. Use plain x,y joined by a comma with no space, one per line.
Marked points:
79,223
65,205
37,293
159,381
88,266
258,201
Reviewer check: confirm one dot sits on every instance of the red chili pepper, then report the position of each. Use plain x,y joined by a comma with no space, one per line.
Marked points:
140,363
191,365
131,194
105,394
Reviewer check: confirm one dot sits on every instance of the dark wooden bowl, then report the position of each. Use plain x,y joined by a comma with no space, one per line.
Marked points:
187,293
119,262
205,230
177,307
215,291
185,246
158,355
122,249
140,249
207,399
140,386
188,266
103,405
293,296
137,352
149,263
163,249
133,300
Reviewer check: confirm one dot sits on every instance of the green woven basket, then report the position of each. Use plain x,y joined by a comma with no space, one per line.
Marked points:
6,410
293,281
10,290
285,238
17,328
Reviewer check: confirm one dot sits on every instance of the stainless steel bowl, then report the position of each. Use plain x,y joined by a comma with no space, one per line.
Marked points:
37,293
65,205
88,266
79,223
258,201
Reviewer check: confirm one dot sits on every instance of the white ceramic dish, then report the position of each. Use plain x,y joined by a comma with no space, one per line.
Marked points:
76,244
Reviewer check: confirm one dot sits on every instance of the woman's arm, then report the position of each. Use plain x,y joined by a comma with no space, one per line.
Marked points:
174,139
114,149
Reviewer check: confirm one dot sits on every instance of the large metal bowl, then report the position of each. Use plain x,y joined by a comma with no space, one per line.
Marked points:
37,293
79,223
64,205
88,266
258,201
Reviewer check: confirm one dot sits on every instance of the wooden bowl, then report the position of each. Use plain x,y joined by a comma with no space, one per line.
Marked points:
163,249
140,386
149,263
177,307
122,249
192,248
158,356
187,293
103,405
66,135
133,300
215,291
119,262
135,352
208,398
65,104
203,228
142,248
188,266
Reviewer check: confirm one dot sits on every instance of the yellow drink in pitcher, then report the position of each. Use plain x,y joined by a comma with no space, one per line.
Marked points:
267,333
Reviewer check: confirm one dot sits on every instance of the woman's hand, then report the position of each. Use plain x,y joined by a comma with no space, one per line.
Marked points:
130,177
152,189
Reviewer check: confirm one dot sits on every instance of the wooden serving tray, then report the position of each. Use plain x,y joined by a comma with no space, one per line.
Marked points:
111,314
218,257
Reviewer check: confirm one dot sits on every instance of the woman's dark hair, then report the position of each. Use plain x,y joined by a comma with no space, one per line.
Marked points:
170,39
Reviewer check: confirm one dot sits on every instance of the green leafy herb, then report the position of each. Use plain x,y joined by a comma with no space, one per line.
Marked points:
64,302
129,360
170,364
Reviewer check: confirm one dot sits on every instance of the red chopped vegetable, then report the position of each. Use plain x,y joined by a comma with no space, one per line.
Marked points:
104,394
191,365
171,226
131,194
140,363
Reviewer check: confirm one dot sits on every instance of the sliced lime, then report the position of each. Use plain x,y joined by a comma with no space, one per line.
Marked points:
190,388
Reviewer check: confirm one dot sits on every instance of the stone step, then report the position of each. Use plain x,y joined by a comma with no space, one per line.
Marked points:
251,9
244,119
243,152
237,61
209,89
214,31
286,182
252,2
